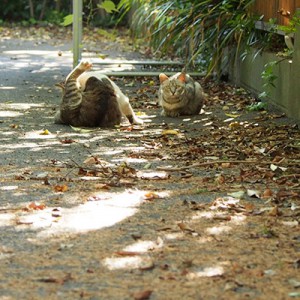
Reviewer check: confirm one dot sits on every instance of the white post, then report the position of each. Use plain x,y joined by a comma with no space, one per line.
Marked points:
77,31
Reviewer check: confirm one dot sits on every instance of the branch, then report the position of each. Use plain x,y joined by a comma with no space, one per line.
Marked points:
203,164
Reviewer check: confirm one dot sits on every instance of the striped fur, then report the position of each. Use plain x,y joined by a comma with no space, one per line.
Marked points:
180,95
94,106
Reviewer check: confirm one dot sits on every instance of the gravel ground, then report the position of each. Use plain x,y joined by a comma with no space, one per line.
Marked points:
105,214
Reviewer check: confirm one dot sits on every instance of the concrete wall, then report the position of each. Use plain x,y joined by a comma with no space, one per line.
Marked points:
286,94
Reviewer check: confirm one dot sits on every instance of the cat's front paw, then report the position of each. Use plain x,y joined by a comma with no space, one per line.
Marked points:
85,65
135,120
170,113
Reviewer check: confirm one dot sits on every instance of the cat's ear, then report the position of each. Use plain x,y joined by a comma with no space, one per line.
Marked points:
163,77
182,77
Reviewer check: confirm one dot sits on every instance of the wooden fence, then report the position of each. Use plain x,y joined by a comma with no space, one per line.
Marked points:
282,10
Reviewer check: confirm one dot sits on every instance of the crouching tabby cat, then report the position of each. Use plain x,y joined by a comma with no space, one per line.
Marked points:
180,95
92,100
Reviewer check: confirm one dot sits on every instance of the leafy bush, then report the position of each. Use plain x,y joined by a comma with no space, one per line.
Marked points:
205,30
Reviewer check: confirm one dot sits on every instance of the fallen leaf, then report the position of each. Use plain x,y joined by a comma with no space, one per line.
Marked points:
267,194
56,212
67,141
273,167
275,212
45,132
151,196
91,160
232,115
226,165
61,188
253,193
185,227
143,295
36,206
127,253
62,280
222,217
234,125
170,132
220,179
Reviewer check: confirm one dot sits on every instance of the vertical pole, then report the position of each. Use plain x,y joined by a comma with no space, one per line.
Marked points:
77,31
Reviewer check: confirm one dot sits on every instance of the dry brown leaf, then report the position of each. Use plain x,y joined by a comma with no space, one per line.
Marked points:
143,295
185,227
61,188
267,194
62,280
151,196
91,160
222,217
226,165
275,212
35,206
127,253
67,141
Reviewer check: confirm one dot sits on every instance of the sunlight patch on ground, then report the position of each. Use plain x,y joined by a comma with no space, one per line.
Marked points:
39,134
134,256
9,187
95,215
9,114
204,239
29,53
7,87
128,262
6,219
174,235
238,219
217,230
29,145
203,214
206,272
144,246
21,106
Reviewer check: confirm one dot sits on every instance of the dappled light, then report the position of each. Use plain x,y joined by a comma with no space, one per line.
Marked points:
207,272
7,87
103,210
96,214
177,207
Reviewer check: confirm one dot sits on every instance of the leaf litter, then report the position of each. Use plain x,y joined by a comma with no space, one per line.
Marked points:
219,191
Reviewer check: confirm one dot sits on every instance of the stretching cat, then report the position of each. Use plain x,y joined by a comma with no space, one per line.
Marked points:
180,95
92,100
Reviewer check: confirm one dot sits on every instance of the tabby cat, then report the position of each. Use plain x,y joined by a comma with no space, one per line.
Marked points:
91,99
180,95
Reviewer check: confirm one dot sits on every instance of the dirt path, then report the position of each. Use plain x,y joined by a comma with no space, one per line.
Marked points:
205,207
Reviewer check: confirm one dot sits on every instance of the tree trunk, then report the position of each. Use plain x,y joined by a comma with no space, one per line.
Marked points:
31,9
43,10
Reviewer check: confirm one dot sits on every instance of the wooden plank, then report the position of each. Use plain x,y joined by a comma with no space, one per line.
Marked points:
144,74
138,62
267,27
266,8
286,9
